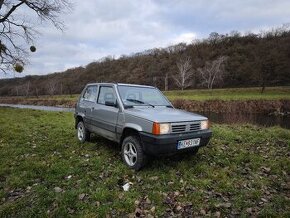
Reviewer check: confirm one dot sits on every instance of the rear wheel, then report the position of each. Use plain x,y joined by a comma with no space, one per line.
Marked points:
132,153
82,133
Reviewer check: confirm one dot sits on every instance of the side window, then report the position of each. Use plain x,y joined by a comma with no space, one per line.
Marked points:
91,93
106,94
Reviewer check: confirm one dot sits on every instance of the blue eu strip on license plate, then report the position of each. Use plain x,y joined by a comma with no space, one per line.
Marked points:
188,143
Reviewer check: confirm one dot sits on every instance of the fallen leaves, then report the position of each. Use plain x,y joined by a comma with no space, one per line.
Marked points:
58,189
249,210
154,178
15,194
266,169
144,208
82,196
175,207
224,205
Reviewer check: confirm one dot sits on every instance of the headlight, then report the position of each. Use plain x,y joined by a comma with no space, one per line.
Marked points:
204,124
164,128
160,128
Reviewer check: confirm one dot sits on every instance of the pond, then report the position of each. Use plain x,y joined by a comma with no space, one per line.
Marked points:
221,118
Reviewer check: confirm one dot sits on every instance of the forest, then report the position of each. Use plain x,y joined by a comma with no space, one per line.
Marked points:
233,60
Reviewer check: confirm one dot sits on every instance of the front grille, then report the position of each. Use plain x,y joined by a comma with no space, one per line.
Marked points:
194,126
185,127
178,128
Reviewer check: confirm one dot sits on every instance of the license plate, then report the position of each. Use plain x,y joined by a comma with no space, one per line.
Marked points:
188,143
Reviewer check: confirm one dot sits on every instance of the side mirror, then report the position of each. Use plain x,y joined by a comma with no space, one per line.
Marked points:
111,103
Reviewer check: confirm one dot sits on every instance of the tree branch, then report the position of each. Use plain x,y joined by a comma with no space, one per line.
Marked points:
13,8
1,3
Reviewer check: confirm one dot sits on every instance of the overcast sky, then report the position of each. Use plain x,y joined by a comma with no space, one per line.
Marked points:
97,28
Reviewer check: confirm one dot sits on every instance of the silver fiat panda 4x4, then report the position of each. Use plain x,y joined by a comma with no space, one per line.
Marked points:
141,119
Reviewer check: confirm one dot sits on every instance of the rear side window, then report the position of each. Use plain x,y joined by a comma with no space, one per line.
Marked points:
106,94
91,93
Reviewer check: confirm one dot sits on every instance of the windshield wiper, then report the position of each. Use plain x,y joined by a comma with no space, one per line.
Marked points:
139,102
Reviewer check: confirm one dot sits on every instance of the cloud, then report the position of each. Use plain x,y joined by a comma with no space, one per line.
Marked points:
185,38
95,29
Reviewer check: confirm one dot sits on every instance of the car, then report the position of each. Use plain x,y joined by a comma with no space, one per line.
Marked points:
141,119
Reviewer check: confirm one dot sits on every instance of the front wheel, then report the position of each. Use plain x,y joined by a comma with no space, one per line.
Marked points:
82,133
132,153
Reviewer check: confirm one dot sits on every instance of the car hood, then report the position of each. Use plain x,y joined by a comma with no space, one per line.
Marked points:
163,114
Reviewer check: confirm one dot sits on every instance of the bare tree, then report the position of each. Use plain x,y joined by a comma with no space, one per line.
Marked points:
15,90
26,88
16,30
60,92
154,79
182,79
179,48
213,71
51,87
36,92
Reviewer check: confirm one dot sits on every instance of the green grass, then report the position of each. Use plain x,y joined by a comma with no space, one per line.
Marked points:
245,168
270,93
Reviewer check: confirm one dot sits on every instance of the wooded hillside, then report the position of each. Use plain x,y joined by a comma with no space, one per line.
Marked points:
251,60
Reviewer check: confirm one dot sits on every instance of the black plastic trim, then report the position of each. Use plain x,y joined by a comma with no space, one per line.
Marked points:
167,144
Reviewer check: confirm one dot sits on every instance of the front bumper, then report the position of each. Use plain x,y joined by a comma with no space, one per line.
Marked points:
167,144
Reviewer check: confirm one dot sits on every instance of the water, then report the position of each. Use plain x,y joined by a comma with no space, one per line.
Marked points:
253,118
221,118
37,107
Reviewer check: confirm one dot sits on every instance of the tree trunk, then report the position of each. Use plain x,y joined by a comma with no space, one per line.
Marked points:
166,83
263,87
36,92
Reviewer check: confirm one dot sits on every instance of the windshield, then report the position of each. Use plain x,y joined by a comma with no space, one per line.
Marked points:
141,96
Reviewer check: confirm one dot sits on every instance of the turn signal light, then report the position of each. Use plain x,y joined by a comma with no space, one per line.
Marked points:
160,128
156,129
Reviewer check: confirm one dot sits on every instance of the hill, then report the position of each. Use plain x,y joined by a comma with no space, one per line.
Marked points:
252,60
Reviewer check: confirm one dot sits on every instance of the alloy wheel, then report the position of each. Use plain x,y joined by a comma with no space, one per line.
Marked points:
130,154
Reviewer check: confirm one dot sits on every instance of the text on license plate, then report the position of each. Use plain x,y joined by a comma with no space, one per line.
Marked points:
188,143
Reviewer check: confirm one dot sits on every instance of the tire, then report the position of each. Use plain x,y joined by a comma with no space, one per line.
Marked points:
132,153
83,134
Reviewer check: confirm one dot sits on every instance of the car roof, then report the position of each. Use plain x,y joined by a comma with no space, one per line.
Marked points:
120,84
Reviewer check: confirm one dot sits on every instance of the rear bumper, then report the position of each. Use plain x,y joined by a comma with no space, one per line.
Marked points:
167,144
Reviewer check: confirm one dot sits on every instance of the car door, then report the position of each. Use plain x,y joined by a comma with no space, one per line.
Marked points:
106,116
88,102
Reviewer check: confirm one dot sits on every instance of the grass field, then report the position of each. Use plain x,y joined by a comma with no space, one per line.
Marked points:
273,93
45,171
